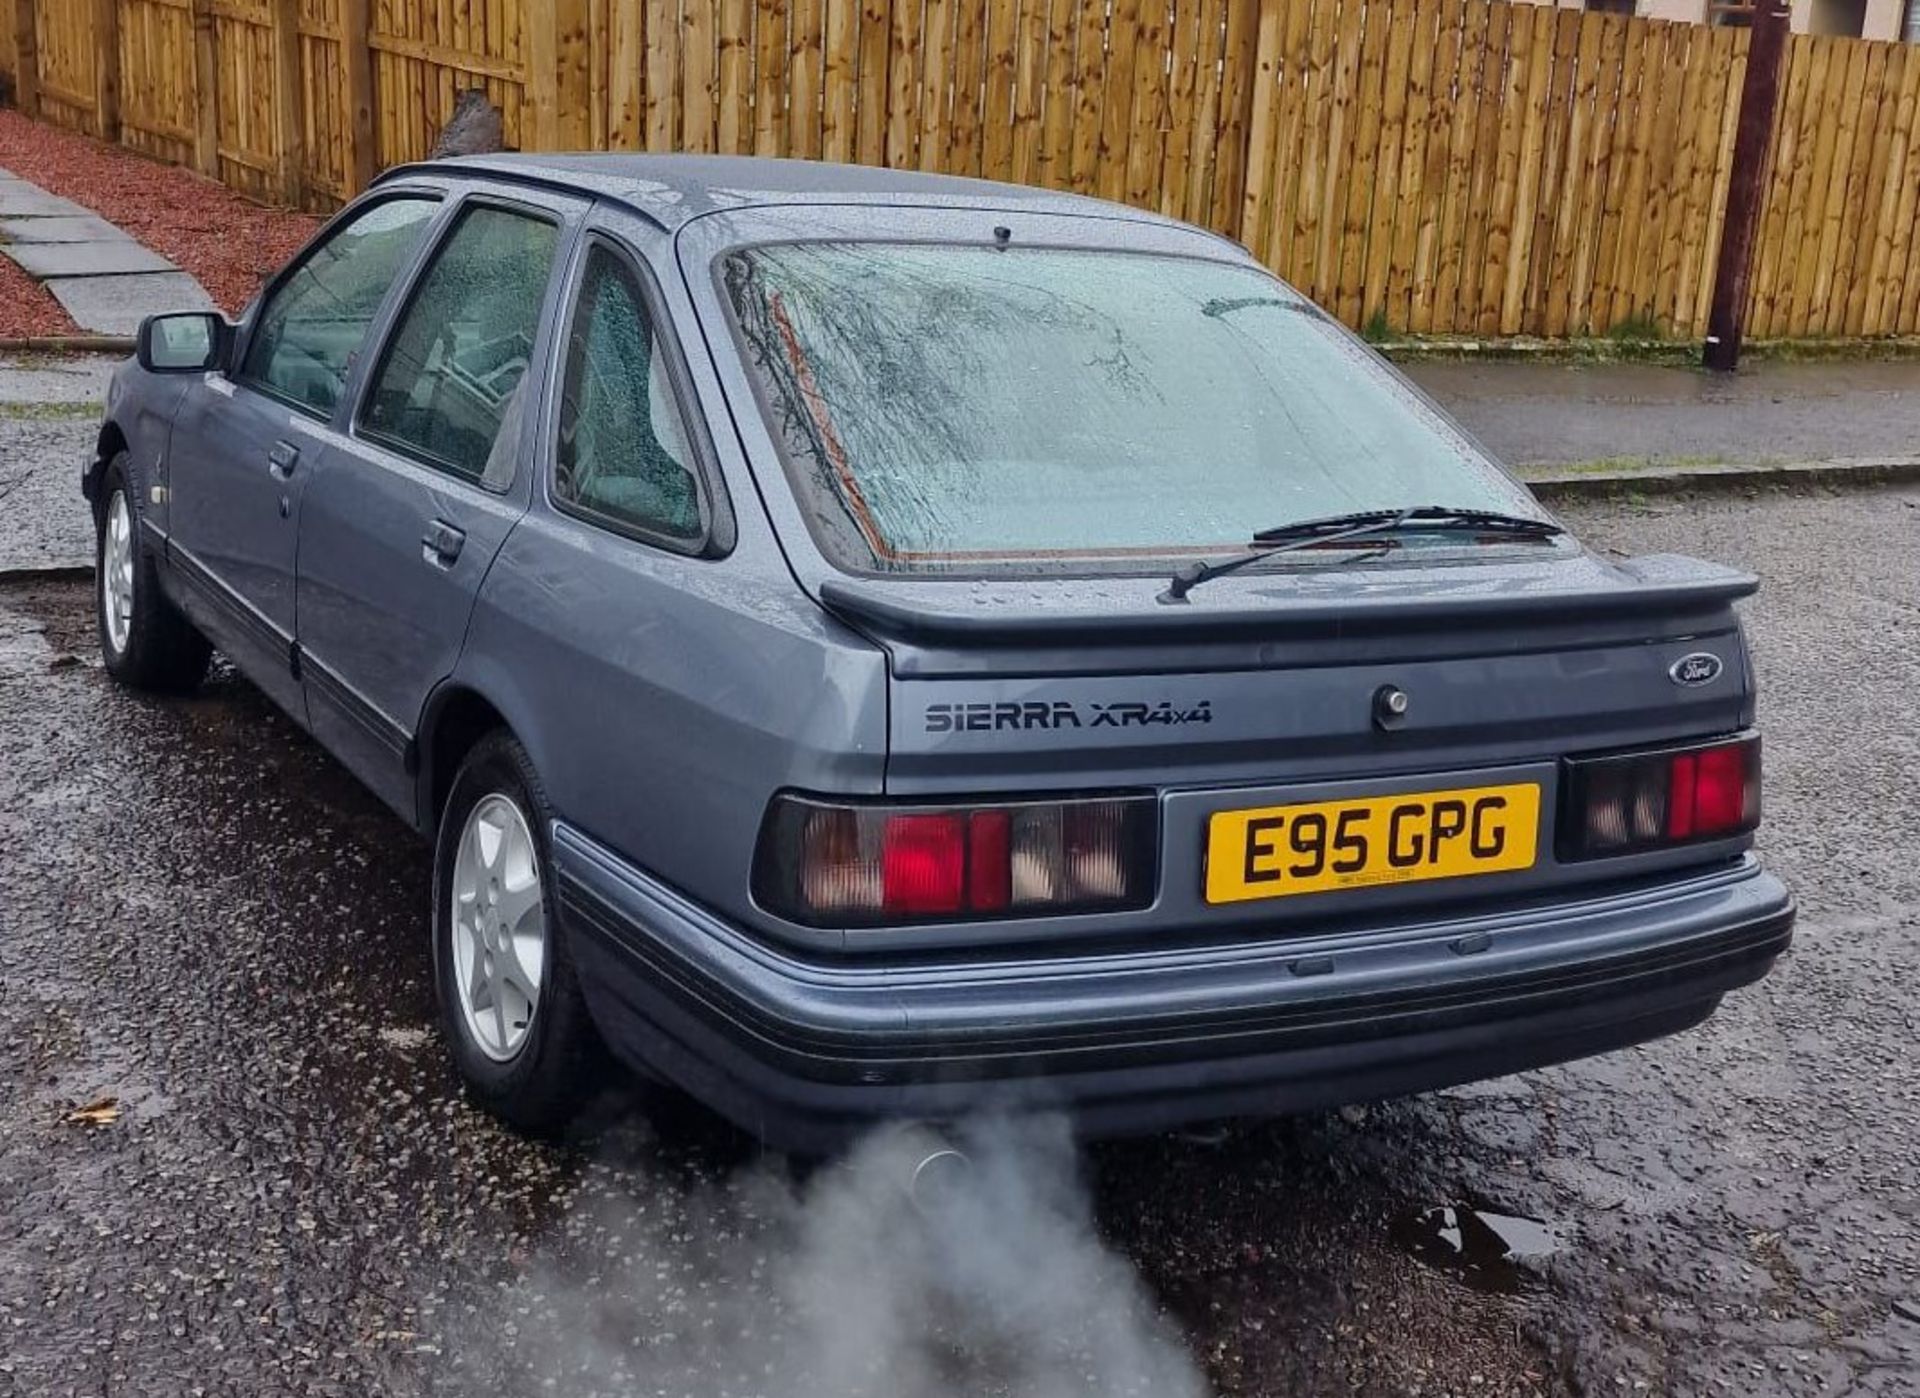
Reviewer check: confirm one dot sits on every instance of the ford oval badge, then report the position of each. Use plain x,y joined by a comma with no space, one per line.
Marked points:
1702,667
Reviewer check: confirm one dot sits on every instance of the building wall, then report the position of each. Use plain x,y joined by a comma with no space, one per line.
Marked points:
1868,19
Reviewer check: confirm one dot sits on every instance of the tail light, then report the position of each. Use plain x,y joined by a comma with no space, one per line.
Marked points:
1650,800
846,864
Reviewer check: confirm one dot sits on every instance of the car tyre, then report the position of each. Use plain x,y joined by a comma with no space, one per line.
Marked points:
144,640
510,1000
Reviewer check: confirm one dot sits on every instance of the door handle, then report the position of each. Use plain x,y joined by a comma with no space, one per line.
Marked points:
441,543
283,458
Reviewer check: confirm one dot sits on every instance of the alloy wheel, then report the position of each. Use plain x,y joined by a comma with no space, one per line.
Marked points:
498,927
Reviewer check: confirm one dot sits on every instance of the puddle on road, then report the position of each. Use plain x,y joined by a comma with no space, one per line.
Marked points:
1487,1250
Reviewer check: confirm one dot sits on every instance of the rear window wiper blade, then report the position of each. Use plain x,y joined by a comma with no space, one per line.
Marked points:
1446,518
1306,533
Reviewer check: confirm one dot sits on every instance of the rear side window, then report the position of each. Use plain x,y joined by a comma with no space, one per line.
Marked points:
455,363
313,324
622,451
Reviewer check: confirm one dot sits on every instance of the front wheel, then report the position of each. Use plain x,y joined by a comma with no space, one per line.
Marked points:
144,641
510,1003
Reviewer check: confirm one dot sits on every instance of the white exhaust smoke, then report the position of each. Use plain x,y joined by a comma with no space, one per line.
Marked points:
919,1266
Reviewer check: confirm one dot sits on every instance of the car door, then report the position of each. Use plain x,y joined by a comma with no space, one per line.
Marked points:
412,501
246,442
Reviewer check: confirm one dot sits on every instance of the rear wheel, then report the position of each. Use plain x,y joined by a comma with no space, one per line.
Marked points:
144,640
510,1003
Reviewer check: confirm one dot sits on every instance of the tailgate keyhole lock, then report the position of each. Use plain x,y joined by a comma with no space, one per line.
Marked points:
1390,704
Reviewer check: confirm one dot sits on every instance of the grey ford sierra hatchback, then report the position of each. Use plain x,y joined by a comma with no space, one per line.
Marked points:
866,644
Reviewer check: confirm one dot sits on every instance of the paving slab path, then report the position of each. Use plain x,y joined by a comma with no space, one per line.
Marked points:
1619,417
104,278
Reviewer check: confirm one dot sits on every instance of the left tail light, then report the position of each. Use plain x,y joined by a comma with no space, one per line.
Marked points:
1649,800
827,863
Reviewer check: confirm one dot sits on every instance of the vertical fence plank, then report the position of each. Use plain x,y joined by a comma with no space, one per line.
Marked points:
803,78
1576,175
1836,212
1029,96
903,84
1714,61
661,103
206,130
1236,91
870,134
1116,112
1146,128
840,75
1887,232
1496,168
1772,275
770,77
1384,203
699,57
1053,160
735,76
1089,77
1546,262
1262,116
1295,72
1404,254
1480,156
288,134
1183,88
1901,240
1829,65
969,42
1422,263
1662,263
1627,187
26,56
106,69
936,77
1362,151
1846,298
626,75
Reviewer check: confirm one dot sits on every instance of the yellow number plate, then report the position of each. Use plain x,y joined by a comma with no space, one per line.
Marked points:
1322,845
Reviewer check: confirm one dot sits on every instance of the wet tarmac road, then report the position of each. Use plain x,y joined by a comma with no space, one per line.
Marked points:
204,919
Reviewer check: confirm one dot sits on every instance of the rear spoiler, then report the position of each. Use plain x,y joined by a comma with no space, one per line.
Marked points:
1665,586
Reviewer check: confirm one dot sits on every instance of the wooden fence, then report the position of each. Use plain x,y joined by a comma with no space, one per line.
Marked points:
1431,166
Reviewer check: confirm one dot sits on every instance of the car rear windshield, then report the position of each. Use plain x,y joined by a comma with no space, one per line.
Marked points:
1031,409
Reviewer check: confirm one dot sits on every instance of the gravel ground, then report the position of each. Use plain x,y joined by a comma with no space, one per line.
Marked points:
209,923
28,308
49,418
43,520
227,243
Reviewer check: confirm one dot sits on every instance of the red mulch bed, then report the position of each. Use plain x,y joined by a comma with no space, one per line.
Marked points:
227,243
28,308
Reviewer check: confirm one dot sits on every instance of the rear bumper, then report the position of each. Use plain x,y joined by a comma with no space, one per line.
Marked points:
804,1053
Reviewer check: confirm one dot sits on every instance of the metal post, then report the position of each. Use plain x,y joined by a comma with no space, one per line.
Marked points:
1746,192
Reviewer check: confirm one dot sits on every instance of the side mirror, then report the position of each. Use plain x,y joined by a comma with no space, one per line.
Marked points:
183,342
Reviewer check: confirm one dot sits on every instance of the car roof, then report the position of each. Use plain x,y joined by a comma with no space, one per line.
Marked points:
675,189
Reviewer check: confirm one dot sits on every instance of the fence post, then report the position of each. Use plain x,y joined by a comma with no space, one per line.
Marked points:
26,58
1747,188
206,92
106,69
289,135
356,66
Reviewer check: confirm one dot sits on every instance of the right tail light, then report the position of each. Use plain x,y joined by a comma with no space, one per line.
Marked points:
1650,800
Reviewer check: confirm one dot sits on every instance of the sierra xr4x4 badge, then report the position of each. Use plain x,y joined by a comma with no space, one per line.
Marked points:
1058,713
